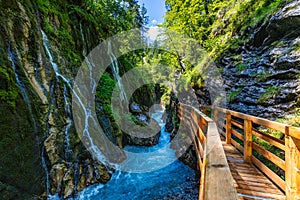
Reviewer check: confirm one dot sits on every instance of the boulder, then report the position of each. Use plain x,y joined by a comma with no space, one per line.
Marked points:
143,136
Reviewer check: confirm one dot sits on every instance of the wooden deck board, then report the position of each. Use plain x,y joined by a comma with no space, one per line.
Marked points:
249,182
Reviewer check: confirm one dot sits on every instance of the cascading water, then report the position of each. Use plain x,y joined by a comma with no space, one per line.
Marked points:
154,184
28,103
83,40
123,185
23,91
116,72
85,106
22,88
68,151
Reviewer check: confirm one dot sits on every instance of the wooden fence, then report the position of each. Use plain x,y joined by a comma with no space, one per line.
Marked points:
216,181
248,133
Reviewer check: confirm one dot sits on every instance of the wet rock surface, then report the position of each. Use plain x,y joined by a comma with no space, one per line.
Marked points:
145,131
262,78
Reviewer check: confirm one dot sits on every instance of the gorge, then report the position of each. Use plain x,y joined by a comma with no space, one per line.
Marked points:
45,154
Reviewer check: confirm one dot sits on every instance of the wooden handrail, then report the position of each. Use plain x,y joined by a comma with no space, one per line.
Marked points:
216,181
290,146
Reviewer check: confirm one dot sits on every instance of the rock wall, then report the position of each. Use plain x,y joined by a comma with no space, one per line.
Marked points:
40,151
262,76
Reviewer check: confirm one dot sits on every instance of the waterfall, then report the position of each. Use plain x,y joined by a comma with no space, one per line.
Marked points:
26,98
116,73
89,118
22,88
68,151
44,165
23,91
83,40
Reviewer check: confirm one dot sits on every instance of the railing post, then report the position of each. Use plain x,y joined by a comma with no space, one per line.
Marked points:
216,114
247,140
228,127
292,162
204,110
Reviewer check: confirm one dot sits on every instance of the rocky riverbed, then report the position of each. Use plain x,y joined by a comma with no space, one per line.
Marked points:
186,191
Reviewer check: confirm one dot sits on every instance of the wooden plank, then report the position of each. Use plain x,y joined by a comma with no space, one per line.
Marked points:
228,128
272,140
261,194
201,135
269,173
247,140
257,120
237,134
221,124
294,132
237,124
270,156
248,179
257,184
246,173
219,182
259,188
292,157
200,148
237,145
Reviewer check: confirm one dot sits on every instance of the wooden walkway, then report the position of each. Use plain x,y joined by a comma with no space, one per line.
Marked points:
249,182
230,169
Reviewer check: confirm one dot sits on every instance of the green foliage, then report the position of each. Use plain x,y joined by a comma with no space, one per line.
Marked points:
296,47
233,94
269,93
217,25
9,97
241,67
262,76
105,88
8,90
293,120
166,97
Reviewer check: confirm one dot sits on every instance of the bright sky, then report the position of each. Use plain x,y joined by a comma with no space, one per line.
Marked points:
156,11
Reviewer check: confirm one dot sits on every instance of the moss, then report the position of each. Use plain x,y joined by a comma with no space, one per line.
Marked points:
241,67
9,97
296,47
232,95
269,93
20,162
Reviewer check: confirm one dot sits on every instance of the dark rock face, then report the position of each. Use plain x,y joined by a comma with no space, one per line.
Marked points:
284,23
146,136
36,119
262,78
182,141
145,131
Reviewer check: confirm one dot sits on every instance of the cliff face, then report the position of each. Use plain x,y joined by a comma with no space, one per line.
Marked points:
42,46
262,76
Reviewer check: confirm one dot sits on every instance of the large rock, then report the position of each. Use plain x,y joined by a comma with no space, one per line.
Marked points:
284,23
267,84
143,136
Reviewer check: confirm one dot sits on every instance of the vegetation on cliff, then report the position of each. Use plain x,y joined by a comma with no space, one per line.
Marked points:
34,102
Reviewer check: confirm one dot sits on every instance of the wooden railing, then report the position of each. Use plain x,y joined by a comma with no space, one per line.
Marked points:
247,133
216,181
